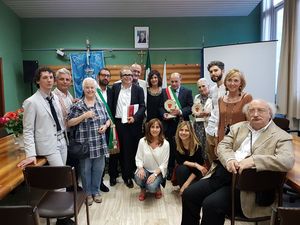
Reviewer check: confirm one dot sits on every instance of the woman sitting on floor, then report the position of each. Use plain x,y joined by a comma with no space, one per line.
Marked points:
151,160
189,157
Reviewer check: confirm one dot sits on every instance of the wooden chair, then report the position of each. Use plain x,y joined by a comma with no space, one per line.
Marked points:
55,203
23,214
285,216
253,181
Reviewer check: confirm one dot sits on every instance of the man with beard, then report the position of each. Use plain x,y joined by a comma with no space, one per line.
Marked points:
103,78
216,71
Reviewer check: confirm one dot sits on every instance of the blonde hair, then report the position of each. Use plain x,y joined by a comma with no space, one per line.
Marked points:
193,142
235,72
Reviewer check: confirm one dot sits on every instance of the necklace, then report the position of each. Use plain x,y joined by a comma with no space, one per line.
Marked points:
154,92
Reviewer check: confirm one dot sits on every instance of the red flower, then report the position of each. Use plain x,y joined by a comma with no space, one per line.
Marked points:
13,121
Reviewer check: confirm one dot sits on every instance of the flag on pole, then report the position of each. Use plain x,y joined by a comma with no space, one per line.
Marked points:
164,81
148,66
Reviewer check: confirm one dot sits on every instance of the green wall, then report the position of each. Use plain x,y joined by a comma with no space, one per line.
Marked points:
15,90
45,35
118,33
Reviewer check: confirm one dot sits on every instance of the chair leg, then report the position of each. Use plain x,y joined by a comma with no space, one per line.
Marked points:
48,221
87,212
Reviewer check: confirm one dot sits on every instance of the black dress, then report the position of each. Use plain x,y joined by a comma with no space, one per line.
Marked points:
183,171
154,102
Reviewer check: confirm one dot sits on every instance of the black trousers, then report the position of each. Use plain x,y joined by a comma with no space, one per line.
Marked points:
170,127
182,174
213,195
129,136
113,165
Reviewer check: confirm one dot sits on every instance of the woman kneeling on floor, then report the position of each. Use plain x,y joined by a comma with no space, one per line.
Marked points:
151,160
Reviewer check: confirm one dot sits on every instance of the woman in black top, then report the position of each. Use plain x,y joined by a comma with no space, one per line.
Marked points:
188,156
154,94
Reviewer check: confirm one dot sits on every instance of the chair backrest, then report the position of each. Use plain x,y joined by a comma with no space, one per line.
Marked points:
14,215
289,216
253,181
49,177
283,123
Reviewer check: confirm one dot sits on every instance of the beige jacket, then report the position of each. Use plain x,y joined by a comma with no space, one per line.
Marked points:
273,150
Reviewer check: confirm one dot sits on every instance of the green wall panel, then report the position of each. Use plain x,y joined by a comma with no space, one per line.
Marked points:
15,91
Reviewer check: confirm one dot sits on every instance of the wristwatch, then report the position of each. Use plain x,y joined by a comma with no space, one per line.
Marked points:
155,174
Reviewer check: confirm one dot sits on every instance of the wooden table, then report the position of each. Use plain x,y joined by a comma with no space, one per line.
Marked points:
293,176
10,155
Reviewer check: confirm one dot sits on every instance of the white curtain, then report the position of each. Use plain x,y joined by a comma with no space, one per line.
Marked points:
288,89
266,18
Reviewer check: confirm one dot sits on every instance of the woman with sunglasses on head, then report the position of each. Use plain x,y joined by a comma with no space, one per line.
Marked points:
189,157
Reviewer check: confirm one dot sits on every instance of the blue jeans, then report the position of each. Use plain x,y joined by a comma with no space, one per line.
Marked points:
91,171
153,187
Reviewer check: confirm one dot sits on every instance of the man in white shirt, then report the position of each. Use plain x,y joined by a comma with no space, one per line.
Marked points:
257,143
216,71
128,124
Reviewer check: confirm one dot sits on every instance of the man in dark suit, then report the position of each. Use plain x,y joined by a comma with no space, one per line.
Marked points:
172,117
129,125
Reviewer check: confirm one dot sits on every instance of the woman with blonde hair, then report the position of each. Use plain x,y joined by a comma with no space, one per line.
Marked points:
152,160
231,105
188,156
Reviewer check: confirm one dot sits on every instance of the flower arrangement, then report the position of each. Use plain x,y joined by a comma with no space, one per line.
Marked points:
13,121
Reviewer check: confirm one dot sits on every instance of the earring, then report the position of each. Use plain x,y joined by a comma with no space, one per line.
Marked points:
240,89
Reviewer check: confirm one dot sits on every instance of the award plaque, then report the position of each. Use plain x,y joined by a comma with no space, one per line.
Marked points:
170,105
197,108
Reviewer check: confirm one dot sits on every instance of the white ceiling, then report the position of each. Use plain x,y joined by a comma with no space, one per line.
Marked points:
130,8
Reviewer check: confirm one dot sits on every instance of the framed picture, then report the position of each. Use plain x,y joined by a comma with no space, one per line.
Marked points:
141,37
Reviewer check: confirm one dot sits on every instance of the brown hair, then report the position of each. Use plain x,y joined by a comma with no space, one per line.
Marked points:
193,142
148,136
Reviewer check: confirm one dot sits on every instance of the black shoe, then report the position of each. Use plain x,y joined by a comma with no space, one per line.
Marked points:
112,181
104,188
65,221
129,183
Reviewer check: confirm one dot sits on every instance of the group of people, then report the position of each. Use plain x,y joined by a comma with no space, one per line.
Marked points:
230,132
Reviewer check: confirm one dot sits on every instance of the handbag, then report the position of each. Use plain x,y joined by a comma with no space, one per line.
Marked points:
77,150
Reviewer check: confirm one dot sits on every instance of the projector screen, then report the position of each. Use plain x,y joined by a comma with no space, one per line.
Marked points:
256,60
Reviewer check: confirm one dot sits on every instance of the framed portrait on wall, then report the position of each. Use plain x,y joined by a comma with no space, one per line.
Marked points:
141,37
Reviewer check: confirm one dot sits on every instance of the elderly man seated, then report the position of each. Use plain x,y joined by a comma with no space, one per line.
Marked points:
257,143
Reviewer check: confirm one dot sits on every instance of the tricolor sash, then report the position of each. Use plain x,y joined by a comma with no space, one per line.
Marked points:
172,95
113,141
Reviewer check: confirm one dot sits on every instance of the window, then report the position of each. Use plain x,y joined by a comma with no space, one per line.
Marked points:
272,21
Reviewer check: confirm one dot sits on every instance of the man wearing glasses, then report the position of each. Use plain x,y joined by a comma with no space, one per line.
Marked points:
129,111
103,79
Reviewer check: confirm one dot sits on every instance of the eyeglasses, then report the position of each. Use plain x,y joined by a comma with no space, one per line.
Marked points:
258,110
126,75
105,75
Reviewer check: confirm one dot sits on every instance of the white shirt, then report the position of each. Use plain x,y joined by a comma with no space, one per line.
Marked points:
213,121
145,156
104,93
245,149
124,100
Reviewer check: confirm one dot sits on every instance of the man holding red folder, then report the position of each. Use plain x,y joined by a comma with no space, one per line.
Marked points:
129,126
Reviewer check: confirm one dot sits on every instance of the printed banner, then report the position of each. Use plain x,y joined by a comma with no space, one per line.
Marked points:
85,65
